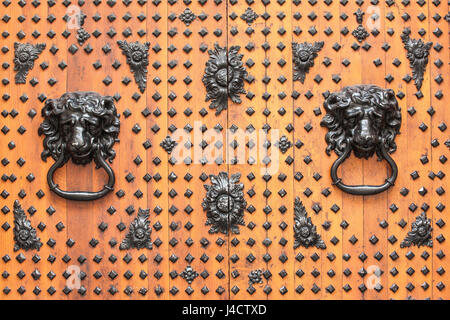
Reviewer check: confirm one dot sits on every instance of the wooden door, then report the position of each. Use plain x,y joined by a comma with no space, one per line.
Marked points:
51,47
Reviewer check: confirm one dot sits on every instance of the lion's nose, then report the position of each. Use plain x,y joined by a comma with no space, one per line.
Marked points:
76,144
78,141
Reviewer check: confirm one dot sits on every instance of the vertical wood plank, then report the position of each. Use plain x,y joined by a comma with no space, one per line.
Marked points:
330,197
397,204
438,93
352,172
281,123
250,251
158,264
374,172
419,140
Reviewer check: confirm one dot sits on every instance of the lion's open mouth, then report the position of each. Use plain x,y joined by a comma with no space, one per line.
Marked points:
365,148
82,156
364,151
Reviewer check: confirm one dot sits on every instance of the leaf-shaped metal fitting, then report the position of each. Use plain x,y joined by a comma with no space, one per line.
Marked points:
224,203
24,56
139,233
224,77
305,232
24,234
303,55
417,54
137,59
359,15
420,234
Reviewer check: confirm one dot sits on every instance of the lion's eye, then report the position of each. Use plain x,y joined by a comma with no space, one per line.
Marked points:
93,128
351,122
378,120
66,128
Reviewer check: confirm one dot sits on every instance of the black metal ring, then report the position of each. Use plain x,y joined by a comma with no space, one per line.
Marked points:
363,189
81,195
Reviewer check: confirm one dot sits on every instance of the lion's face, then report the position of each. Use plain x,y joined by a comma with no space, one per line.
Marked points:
81,132
363,125
366,116
77,125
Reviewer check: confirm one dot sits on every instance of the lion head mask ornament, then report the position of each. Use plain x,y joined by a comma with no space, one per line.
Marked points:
365,119
82,126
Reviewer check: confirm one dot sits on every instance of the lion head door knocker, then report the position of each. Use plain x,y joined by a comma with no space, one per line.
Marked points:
82,126
365,119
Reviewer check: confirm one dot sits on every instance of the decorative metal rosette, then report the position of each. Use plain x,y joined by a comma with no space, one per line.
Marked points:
224,77
224,203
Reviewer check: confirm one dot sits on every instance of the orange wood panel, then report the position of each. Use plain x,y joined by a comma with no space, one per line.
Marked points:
158,262
281,123
330,225
251,251
421,143
375,172
397,203
352,210
439,162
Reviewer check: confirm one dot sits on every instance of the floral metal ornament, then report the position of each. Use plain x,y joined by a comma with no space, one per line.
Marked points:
303,56
284,144
137,59
360,33
224,77
24,56
139,234
255,276
187,16
224,203
305,232
249,16
420,234
189,274
417,54
24,234
168,144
